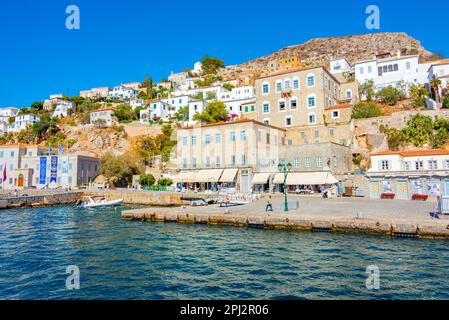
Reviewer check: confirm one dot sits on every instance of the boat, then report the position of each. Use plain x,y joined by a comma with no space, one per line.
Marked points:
94,202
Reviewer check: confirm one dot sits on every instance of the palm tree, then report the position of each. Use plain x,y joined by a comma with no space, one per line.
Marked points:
435,85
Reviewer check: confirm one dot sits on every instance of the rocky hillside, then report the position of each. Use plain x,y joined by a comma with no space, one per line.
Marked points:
320,51
98,141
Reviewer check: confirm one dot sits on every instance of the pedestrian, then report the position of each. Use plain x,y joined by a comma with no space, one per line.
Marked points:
16,193
269,205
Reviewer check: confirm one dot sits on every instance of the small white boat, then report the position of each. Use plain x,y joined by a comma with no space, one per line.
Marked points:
94,202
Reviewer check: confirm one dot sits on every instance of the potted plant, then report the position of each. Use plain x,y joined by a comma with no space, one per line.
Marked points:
420,197
387,195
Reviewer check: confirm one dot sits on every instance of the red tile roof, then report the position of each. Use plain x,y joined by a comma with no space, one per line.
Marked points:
242,120
413,153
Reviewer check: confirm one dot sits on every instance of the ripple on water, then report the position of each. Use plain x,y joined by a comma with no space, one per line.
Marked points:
135,260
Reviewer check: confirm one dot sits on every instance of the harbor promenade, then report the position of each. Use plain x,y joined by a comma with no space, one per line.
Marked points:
382,217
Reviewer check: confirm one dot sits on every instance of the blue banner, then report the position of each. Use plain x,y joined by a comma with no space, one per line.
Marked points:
54,170
43,171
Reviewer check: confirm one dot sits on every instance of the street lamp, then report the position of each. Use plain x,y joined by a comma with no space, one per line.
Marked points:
285,169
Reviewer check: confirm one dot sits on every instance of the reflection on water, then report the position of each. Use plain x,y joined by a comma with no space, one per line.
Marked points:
141,260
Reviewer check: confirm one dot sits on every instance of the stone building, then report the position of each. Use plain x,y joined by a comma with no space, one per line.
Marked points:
25,164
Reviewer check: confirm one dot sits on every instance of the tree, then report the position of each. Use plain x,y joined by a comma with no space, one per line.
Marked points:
366,110
165,182
122,168
124,113
390,95
214,112
148,84
228,86
211,65
36,106
182,114
418,94
419,130
147,180
367,89
435,85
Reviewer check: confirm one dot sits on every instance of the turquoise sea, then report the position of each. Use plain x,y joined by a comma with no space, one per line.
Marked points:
140,260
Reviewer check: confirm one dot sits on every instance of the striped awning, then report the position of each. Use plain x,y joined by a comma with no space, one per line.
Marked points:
229,175
187,176
306,178
261,178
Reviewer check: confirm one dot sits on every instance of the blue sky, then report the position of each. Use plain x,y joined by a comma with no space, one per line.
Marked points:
122,41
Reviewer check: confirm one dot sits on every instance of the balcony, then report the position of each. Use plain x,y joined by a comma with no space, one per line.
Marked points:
286,93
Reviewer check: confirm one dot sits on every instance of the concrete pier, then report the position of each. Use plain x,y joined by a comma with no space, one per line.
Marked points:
381,217
39,198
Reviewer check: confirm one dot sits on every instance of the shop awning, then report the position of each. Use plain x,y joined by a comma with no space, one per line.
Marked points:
209,175
261,178
229,175
184,177
306,178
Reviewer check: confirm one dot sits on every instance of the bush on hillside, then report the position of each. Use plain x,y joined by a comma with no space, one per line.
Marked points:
364,110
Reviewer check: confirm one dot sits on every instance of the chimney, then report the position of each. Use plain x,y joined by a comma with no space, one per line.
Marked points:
399,53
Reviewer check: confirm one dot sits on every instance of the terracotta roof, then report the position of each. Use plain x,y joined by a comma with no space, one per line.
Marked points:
413,153
104,109
339,106
243,120
12,145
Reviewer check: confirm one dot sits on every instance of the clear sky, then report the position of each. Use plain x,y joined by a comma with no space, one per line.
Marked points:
122,41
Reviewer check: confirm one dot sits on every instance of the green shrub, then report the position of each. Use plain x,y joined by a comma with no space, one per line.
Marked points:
147,180
364,110
390,95
165,182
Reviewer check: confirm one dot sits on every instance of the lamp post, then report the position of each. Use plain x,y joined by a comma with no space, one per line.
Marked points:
285,169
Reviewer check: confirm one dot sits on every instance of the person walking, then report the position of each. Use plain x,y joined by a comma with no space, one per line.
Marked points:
269,207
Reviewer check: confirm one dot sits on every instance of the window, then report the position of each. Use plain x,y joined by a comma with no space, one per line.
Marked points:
243,135
307,162
361,70
295,84
193,140
184,163
316,134
293,104
407,166
319,162
218,162
311,101
266,121
281,105
207,162
266,108
332,132
243,159
408,65
385,165
217,138
419,165
287,85
370,69
348,94
433,165
335,114
446,164
233,162
194,163
278,86
253,108
265,88
288,121
232,136
310,80
296,163
312,118
207,139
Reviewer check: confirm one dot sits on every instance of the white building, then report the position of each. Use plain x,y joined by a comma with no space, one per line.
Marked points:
100,92
195,106
198,67
386,70
6,113
339,66
23,121
137,103
177,102
439,70
123,93
104,115
63,109
408,173
157,110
